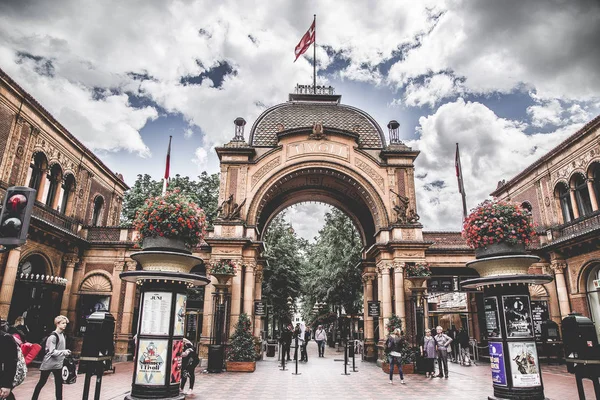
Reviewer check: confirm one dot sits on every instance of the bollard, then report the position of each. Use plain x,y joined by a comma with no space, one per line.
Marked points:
353,360
296,356
346,359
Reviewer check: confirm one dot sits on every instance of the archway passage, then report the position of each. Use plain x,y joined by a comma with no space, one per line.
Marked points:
324,185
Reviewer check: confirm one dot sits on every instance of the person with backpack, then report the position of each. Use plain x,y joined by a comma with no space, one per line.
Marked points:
394,345
20,331
8,362
189,362
55,348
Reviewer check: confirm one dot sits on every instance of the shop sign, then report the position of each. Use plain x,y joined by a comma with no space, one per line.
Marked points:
373,309
517,316
492,319
497,363
524,364
152,362
596,283
156,313
180,302
259,308
539,314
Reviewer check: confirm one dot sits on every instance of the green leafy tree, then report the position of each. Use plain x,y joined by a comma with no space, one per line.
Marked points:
284,256
331,272
204,192
241,343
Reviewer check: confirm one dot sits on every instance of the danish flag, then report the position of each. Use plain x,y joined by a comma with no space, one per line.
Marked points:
306,41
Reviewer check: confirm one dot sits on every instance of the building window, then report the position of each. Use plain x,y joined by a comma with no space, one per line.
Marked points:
55,181
594,297
564,198
98,206
35,171
582,195
596,178
67,188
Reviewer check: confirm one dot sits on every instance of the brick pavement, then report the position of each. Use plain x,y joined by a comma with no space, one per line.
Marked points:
320,377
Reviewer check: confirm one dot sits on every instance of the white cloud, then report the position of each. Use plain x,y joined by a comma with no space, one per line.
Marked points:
491,149
200,158
188,133
547,112
431,91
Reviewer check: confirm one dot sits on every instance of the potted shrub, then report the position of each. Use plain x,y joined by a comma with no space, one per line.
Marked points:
241,353
170,222
498,228
408,354
418,273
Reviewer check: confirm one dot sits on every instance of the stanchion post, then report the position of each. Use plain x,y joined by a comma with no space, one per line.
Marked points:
296,356
346,359
354,360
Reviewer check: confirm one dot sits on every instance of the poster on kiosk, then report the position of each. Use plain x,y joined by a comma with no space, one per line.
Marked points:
524,364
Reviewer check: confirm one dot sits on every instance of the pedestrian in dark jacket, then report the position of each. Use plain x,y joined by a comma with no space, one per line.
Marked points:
8,362
394,345
189,362
56,351
307,335
286,342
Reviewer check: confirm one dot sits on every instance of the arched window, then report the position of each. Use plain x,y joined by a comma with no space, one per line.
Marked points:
564,199
595,175
65,193
98,206
582,195
36,168
55,181
527,206
594,296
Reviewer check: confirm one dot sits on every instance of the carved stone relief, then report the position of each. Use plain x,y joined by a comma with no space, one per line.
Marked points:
262,171
370,172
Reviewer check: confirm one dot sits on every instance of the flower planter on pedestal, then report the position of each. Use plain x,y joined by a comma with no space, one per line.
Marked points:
499,249
240,366
161,243
406,368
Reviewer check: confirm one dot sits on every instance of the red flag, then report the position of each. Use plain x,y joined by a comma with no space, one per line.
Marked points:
306,41
167,167
461,185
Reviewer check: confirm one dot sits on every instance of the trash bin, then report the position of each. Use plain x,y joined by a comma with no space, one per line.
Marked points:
271,347
215,358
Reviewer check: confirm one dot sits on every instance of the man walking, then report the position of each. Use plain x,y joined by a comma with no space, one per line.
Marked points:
8,362
286,342
321,338
56,351
442,341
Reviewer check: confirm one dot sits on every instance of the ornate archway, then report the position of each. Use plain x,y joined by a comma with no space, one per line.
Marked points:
314,148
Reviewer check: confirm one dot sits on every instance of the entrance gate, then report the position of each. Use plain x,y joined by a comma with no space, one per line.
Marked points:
314,148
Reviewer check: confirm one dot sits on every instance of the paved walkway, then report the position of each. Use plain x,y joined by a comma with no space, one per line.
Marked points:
320,378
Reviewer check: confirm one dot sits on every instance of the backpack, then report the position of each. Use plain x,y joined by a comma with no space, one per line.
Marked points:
45,342
389,344
21,371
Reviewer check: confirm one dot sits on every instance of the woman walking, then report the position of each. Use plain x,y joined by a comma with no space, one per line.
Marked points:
394,346
428,351
189,362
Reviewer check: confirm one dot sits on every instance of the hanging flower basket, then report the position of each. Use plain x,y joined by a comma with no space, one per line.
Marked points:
418,273
223,270
171,222
498,228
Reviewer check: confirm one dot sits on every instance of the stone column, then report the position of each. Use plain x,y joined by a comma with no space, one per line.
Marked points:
57,183
8,281
558,267
399,291
370,351
236,297
116,288
386,304
380,298
70,261
128,303
207,318
425,311
77,277
258,279
249,284
593,199
41,191
574,203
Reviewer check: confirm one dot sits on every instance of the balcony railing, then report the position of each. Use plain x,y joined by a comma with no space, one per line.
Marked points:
576,227
54,217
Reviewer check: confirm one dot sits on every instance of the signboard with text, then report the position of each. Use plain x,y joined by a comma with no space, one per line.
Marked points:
517,316
156,313
373,309
539,314
497,363
492,319
259,308
524,364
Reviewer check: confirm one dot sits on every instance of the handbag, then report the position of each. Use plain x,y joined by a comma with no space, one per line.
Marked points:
69,371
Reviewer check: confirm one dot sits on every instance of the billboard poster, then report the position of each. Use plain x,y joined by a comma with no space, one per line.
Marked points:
492,319
517,316
180,302
176,361
524,364
152,362
497,363
539,314
156,313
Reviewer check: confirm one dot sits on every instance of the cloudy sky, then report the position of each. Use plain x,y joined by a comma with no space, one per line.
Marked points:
508,79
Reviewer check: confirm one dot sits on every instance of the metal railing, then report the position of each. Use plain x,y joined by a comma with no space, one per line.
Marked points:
577,227
54,217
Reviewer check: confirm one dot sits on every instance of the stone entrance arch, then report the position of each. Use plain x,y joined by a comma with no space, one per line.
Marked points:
315,148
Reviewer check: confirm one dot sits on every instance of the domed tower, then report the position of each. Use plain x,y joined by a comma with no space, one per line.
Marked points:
314,148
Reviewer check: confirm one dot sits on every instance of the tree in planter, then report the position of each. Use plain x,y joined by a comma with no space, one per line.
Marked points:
241,343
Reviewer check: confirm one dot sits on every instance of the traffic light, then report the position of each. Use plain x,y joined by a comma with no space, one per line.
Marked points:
15,215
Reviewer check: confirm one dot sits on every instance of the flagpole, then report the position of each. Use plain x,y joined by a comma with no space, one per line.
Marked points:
315,57
461,184
167,168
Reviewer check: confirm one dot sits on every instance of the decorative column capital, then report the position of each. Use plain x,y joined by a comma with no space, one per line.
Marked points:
70,260
399,266
368,279
384,266
258,276
119,265
131,265
558,266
